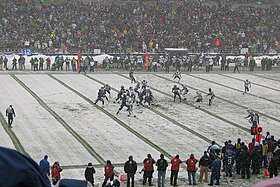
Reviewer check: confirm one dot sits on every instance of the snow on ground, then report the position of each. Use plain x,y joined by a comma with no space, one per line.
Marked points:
227,110
37,130
253,102
212,128
255,79
273,75
159,131
40,133
107,138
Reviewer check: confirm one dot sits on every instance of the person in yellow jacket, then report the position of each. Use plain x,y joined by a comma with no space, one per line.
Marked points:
264,147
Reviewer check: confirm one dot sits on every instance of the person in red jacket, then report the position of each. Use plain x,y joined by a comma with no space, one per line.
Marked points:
175,167
191,168
55,170
108,172
148,169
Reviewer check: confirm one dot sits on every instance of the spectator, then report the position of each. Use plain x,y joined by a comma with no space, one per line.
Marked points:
45,165
55,173
175,167
204,164
148,169
191,168
161,168
89,173
130,168
108,172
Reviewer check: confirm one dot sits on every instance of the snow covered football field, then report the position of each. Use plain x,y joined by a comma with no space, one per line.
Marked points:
56,115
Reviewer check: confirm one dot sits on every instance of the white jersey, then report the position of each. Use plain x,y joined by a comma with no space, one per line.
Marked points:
247,83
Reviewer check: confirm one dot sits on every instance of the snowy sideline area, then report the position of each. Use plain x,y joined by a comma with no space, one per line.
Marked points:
154,130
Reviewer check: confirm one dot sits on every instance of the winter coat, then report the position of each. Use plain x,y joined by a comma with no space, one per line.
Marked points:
161,164
130,167
89,174
149,164
45,165
244,158
191,164
73,183
175,164
108,170
216,165
205,161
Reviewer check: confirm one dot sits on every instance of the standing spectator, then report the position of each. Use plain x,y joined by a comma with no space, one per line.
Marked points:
89,173
92,65
36,63
73,64
22,62
45,165
215,172
5,61
1,63
10,112
191,168
204,164
273,166
161,168
264,148
175,167
14,64
252,64
41,64
48,62
82,66
236,65
67,62
256,156
130,168
108,172
55,170
228,162
245,161
148,169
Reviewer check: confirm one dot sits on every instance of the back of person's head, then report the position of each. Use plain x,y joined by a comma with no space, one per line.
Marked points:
108,162
73,183
130,158
177,156
161,155
192,156
46,157
149,156
18,170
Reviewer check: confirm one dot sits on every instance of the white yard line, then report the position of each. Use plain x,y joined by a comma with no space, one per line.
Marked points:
230,111
253,102
37,130
258,80
202,122
108,139
163,133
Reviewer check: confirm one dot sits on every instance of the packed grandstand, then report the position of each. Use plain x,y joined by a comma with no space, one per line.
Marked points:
125,26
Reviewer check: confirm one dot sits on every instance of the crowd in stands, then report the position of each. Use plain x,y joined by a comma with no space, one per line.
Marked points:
221,26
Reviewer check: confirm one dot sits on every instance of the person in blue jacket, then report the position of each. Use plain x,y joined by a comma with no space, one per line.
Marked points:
45,165
215,172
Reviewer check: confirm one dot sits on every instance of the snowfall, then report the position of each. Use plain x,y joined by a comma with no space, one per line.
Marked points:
55,115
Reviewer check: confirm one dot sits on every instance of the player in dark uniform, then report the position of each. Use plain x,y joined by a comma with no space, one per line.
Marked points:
176,91
211,95
148,96
132,78
100,95
121,92
123,102
184,91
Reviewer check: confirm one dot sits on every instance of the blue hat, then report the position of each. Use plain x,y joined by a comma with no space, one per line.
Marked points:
20,170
